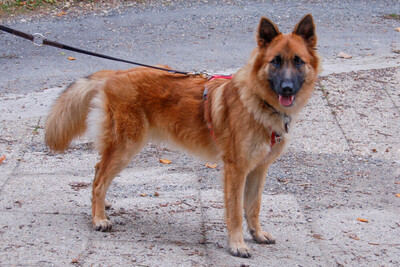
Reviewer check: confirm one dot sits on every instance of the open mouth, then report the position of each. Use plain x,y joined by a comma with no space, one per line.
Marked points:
286,101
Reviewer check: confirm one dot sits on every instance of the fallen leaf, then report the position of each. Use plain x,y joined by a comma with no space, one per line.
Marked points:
165,161
317,236
398,195
374,150
71,58
354,237
397,29
362,220
344,55
375,244
2,158
397,182
211,166
78,185
283,181
61,14
156,194
143,195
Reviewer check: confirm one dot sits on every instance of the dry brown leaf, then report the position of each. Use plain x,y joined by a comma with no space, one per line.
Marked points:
156,194
165,161
71,58
344,55
143,195
362,220
397,29
2,158
317,236
79,185
61,14
211,166
374,244
354,237
397,182
398,195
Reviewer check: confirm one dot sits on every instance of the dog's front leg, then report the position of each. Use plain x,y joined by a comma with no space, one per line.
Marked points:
234,182
252,202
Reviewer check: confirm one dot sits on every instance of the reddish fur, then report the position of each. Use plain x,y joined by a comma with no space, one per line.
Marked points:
144,104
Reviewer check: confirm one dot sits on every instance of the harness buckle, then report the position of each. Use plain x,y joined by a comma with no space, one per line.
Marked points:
38,39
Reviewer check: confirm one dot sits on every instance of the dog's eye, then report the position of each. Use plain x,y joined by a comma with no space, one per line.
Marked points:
298,62
276,62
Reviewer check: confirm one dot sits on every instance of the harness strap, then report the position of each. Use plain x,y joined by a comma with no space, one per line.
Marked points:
205,97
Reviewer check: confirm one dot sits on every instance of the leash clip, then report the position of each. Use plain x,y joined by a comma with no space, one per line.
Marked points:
203,75
38,39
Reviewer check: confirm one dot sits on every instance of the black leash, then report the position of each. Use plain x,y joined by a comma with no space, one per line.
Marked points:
39,40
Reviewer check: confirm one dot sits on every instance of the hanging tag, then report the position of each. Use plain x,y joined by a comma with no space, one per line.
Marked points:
287,127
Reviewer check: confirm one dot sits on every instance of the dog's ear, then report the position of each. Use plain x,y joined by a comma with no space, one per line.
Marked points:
306,29
267,31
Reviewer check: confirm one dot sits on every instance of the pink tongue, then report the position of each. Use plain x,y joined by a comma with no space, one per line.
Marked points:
286,100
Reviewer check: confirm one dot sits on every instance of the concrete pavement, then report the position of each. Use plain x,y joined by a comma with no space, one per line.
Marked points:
343,164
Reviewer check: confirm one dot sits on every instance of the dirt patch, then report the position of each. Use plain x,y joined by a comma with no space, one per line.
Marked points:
36,9
394,16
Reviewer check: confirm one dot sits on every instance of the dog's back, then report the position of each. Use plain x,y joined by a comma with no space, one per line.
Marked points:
137,103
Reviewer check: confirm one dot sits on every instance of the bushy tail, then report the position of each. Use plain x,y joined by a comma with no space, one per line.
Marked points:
67,117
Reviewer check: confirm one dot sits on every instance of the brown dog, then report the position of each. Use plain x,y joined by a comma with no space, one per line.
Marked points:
244,122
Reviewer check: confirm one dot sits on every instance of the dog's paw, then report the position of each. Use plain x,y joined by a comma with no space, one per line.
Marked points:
262,237
240,250
102,225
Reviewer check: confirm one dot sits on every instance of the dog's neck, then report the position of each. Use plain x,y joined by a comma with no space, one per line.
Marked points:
286,119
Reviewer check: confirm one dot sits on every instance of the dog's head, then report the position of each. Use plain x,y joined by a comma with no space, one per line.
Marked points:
287,63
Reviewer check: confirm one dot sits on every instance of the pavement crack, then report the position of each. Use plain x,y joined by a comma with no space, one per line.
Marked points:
334,114
14,171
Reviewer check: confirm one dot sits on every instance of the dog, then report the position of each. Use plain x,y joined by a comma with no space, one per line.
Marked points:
244,121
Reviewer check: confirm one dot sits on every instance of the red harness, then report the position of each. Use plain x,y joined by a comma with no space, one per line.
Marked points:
275,138
205,96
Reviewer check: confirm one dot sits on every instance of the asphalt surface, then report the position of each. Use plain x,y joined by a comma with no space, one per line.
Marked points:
187,35
330,200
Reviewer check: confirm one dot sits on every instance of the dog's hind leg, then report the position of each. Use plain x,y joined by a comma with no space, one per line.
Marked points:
107,204
252,202
113,160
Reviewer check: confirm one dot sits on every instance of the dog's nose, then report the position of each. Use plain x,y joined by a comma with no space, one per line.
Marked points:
287,87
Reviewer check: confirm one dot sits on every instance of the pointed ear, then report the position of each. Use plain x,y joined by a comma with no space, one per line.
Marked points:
306,29
267,31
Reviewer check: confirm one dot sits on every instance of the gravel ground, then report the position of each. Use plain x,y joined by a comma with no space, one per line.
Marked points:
342,164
